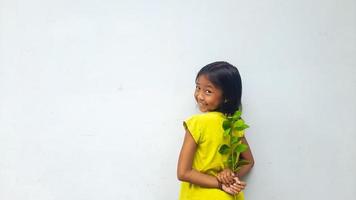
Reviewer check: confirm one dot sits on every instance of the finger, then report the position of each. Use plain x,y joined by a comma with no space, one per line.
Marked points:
227,180
242,183
237,180
241,187
232,190
228,190
231,180
236,189
219,178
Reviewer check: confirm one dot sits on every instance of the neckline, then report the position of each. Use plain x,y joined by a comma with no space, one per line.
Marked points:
217,112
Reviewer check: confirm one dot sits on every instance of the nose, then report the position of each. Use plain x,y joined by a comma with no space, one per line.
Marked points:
200,96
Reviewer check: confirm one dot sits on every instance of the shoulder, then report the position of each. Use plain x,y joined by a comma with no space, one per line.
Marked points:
195,117
205,117
204,125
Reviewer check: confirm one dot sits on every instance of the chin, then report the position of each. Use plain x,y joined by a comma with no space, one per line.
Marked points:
203,109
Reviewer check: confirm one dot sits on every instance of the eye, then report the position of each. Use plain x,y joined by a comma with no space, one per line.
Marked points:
208,91
197,87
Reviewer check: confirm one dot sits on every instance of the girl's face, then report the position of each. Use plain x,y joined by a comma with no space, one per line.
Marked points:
207,95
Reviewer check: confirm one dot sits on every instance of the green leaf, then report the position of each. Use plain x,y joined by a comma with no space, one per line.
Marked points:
239,123
224,149
226,124
242,127
243,162
227,132
235,139
237,115
241,148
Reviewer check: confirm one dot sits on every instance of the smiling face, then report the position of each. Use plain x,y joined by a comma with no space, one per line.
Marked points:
207,95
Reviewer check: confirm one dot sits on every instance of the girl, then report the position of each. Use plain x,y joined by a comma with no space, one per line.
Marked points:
200,166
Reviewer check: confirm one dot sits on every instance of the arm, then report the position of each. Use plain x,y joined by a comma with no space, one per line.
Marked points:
185,172
247,155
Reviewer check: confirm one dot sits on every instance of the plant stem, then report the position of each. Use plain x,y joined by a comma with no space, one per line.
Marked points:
232,157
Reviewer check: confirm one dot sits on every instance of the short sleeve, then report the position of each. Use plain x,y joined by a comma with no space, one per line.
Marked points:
193,126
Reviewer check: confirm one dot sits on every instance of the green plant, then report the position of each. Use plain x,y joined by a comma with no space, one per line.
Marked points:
233,127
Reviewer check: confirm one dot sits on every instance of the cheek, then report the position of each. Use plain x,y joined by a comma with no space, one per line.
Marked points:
195,96
219,101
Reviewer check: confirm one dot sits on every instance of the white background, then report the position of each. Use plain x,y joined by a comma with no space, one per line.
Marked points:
93,94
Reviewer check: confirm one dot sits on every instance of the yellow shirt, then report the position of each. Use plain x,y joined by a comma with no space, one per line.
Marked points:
207,132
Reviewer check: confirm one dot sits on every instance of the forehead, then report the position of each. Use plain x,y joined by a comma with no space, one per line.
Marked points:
203,80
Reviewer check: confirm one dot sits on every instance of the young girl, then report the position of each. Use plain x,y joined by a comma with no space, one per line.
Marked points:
200,167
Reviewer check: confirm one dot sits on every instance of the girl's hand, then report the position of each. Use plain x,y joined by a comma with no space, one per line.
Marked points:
230,190
235,188
226,177
239,184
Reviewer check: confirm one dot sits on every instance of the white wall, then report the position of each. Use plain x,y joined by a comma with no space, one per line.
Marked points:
93,94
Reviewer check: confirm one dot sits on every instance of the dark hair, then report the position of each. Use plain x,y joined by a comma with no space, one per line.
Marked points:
227,78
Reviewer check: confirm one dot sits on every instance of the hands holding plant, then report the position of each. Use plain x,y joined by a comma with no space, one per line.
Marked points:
230,183
233,127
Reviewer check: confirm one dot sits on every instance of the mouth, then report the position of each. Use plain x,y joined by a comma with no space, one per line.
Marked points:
202,104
